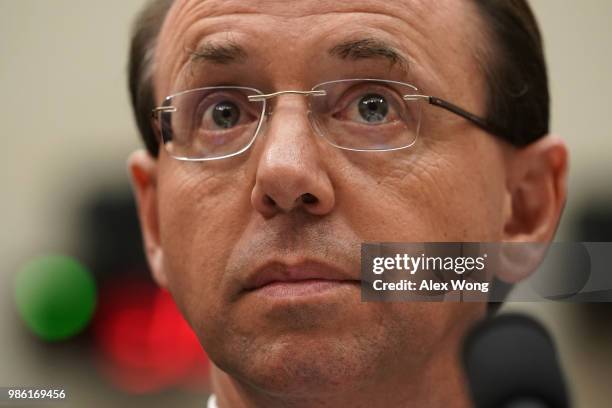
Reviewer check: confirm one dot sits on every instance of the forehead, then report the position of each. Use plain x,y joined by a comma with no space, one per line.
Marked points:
436,37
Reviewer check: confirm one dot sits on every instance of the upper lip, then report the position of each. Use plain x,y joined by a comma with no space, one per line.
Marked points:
278,271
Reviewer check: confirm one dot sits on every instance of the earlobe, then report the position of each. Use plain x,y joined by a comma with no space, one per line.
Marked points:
143,171
537,189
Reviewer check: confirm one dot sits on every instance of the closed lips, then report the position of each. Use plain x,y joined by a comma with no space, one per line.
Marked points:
279,272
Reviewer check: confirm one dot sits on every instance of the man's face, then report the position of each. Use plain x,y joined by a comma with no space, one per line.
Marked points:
225,223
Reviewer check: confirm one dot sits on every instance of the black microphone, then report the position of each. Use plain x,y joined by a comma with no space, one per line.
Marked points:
511,362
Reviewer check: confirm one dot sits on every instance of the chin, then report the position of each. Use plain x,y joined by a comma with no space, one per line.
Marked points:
298,365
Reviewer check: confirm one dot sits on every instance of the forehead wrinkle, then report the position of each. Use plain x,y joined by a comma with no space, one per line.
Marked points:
273,8
294,8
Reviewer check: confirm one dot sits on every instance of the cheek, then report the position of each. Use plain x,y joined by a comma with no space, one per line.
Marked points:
199,225
445,193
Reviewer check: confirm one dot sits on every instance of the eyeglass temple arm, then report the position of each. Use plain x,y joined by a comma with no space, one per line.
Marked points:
476,120
156,111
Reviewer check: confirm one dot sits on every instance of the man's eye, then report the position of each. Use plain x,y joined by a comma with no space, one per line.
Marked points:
369,108
373,108
225,114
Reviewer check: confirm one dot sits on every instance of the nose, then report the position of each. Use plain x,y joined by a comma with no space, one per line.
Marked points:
290,173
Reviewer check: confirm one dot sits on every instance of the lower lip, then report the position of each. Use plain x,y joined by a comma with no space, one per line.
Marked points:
300,288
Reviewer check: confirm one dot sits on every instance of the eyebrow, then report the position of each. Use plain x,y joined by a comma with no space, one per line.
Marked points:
219,53
228,52
367,48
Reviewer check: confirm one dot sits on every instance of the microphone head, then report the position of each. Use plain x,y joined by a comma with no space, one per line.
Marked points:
510,361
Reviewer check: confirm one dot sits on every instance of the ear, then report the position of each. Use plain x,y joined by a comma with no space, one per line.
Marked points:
536,184
143,170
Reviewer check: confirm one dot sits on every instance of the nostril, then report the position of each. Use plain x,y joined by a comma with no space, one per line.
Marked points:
308,198
269,201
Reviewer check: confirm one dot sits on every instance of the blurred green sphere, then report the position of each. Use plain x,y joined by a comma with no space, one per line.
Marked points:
55,296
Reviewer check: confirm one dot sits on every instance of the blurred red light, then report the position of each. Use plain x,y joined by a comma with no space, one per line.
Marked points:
146,344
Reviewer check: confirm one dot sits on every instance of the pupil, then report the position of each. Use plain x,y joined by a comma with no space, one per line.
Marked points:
373,108
226,114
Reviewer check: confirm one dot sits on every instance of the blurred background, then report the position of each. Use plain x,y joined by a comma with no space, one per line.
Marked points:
67,130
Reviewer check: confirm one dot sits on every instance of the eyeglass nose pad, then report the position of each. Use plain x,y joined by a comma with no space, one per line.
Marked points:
315,125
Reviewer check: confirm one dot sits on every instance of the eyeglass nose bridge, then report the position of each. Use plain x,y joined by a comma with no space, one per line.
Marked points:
268,112
265,97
